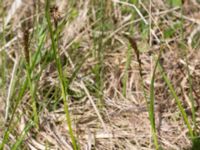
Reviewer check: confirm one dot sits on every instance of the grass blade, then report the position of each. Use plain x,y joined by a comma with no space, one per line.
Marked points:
178,101
151,107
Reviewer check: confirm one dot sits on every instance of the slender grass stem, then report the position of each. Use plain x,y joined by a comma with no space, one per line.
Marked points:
33,95
191,97
60,73
151,107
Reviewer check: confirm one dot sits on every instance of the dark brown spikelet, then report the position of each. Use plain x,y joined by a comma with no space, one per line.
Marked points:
55,14
26,26
133,43
26,44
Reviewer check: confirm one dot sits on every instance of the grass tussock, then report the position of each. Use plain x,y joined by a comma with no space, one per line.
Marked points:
104,74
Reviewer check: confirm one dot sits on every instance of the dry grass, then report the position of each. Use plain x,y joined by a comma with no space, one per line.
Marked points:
122,121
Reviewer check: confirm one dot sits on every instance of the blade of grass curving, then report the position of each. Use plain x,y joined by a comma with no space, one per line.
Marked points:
60,73
191,97
178,101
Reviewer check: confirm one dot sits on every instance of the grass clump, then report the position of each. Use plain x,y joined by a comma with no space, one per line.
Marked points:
106,74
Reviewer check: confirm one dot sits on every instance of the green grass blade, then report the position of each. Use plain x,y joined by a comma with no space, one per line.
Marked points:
178,101
151,107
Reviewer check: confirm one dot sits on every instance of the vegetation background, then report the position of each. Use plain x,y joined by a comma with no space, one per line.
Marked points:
103,74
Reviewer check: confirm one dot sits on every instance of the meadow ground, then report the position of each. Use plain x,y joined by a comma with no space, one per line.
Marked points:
103,74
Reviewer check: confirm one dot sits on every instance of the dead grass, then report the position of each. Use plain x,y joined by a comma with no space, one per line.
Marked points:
123,122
